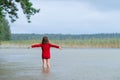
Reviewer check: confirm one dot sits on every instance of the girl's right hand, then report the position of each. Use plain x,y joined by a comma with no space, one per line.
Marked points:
28,47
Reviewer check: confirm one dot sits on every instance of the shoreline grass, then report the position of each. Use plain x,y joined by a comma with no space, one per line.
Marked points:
78,43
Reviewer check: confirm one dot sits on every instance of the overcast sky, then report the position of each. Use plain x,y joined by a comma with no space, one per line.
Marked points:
71,17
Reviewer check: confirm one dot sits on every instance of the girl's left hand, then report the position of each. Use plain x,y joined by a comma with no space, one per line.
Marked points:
60,48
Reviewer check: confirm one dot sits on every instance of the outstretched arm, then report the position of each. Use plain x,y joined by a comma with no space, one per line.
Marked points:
55,46
36,45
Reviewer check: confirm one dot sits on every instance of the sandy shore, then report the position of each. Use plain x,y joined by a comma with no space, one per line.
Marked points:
62,45
13,46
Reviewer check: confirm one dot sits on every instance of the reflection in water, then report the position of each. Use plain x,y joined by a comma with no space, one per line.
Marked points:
45,70
68,64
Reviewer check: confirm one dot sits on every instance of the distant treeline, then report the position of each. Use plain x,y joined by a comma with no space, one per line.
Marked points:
64,36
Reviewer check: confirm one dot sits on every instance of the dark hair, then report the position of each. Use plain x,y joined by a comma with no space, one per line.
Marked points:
45,40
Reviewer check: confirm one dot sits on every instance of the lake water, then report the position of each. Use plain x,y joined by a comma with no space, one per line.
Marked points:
66,64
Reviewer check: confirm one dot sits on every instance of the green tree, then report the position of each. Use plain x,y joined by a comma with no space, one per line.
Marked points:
9,7
5,33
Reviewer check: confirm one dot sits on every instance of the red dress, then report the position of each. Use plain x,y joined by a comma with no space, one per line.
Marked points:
45,49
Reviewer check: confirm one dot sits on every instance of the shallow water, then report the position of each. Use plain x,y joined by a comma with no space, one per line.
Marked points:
66,64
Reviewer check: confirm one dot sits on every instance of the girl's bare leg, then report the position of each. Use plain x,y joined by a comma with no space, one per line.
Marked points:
44,63
48,63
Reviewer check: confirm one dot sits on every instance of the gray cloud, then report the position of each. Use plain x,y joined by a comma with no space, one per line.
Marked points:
71,17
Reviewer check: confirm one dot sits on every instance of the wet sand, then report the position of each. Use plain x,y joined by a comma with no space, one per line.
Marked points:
66,64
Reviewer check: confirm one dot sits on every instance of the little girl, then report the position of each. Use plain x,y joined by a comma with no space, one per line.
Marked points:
45,46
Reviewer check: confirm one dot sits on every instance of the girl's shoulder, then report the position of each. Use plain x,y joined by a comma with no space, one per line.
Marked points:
46,44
